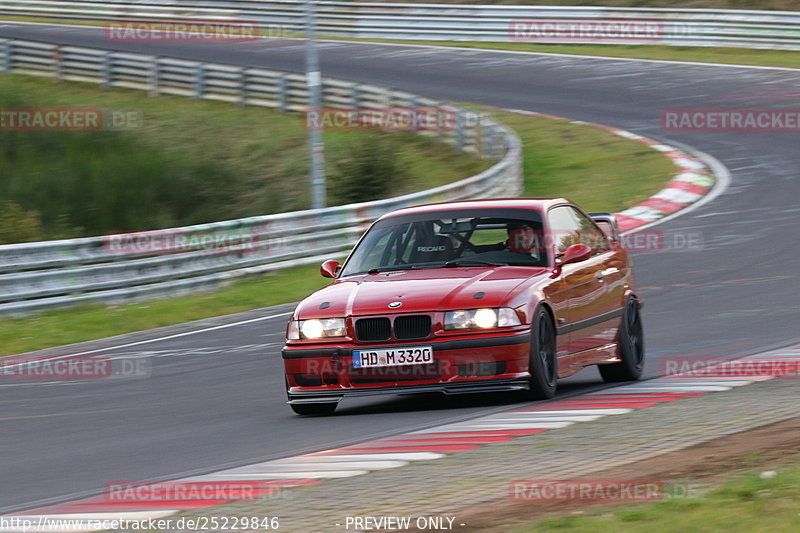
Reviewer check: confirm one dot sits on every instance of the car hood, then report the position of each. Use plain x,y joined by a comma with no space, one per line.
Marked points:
418,290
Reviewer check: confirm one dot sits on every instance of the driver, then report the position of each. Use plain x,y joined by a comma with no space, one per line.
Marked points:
523,239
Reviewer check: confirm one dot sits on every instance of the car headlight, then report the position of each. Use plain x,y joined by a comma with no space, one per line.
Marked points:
315,328
481,318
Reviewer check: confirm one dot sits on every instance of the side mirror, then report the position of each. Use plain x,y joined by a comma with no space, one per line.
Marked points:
329,268
575,254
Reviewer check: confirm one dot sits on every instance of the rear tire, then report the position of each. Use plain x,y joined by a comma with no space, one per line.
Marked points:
630,347
317,409
543,365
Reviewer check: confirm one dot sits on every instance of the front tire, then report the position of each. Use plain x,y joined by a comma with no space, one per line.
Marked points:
317,409
630,347
543,365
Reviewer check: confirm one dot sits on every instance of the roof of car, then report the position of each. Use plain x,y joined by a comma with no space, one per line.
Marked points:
539,204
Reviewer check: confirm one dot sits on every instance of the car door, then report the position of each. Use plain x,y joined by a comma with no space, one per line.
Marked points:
611,274
583,284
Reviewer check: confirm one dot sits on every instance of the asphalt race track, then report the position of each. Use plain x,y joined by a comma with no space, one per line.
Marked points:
217,397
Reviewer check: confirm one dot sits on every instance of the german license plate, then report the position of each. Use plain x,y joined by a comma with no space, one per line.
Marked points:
416,355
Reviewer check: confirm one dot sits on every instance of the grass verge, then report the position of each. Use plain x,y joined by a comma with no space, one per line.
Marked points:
595,168
744,504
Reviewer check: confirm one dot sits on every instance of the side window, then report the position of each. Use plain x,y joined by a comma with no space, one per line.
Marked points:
564,228
569,226
590,233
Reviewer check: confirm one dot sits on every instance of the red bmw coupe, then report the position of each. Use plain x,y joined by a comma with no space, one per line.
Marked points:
465,297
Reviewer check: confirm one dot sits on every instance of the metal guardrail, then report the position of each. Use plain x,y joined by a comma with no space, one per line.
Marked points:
440,22
46,275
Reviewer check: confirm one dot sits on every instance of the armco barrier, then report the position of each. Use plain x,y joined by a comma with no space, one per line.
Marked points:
441,22
46,275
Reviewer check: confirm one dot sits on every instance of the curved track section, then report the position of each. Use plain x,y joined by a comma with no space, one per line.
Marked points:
215,397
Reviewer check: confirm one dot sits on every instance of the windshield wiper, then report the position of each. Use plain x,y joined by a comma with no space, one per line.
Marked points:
391,268
471,262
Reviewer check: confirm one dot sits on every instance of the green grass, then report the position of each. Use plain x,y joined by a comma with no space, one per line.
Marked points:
593,167
190,162
746,504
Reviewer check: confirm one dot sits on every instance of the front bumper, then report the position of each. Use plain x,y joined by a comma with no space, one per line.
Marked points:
462,365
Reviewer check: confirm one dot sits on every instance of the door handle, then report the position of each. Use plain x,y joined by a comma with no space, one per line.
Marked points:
607,272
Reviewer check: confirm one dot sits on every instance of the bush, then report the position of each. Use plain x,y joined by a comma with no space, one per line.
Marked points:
370,170
18,225
94,182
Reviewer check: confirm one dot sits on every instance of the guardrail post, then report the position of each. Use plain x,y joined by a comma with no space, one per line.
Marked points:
57,62
8,51
480,136
386,97
283,97
413,104
489,140
155,76
355,96
460,131
107,70
200,81
242,87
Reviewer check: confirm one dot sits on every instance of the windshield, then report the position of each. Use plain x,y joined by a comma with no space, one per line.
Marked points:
486,237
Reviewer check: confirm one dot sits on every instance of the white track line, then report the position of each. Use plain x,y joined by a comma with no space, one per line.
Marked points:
377,464
686,388
157,339
699,382
264,469
609,411
509,425
554,417
535,417
257,476
401,456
